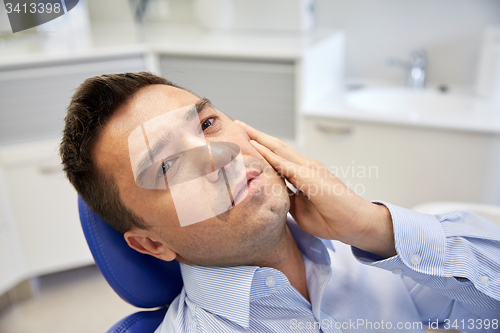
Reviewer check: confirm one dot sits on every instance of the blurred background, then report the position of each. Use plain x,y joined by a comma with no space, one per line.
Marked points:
400,99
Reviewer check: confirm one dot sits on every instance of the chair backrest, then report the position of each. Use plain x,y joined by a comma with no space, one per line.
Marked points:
139,279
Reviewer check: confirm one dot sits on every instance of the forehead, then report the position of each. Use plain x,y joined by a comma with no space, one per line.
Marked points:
147,103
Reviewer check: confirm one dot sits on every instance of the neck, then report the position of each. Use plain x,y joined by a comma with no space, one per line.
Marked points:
287,258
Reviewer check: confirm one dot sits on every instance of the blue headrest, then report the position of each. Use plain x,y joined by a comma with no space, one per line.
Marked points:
140,279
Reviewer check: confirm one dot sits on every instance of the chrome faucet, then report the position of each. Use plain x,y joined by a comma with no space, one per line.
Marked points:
416,68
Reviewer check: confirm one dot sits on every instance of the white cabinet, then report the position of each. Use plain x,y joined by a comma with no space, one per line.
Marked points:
8,267
260,93
262,80
34,97
44,208
12,267
405,165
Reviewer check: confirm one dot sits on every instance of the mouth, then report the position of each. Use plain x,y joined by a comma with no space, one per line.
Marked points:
244,186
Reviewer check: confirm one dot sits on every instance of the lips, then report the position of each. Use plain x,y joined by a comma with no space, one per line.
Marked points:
242,186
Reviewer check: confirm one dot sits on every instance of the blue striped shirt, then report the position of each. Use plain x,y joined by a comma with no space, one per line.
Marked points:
446,274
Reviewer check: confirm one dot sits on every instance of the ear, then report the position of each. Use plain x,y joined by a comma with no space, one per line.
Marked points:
144,242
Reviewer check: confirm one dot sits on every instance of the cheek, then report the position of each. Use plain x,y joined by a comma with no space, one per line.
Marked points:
155,207
236,134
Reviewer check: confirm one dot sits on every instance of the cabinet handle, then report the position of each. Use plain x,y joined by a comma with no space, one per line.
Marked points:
51,169
336,130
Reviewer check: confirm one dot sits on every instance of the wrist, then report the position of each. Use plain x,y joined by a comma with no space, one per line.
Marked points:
376,232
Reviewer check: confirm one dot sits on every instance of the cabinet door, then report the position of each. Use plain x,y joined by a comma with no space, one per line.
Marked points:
12,267
258,93
400,164
45,209
34,97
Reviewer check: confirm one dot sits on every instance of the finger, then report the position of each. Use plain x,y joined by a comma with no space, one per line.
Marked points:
262,138
276,145
284,167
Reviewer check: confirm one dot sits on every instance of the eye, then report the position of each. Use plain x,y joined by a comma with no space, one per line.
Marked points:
164,167
207,123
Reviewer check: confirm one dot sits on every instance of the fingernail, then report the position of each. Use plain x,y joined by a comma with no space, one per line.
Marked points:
254,142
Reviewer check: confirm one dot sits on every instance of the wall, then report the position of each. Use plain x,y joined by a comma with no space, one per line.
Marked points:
4,21
449,30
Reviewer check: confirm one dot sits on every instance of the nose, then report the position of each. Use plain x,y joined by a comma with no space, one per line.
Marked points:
221,154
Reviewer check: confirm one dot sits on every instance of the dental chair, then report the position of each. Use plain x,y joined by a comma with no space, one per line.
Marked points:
139,279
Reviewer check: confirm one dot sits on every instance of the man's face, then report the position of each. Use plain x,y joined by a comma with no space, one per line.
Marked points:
239,235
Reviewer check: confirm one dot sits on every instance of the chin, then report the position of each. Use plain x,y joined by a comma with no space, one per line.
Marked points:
268,217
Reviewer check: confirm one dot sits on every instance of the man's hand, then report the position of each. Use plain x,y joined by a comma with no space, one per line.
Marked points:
324,206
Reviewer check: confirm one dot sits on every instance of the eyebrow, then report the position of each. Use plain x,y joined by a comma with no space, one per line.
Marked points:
159,145
200,106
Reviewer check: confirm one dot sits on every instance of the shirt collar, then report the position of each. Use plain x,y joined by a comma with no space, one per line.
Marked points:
224,291
227,291
315,249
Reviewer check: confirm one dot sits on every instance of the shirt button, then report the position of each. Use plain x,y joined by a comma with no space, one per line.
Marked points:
397,271
484,280
415,259
270,281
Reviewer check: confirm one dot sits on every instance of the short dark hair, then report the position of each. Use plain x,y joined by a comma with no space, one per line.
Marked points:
90,109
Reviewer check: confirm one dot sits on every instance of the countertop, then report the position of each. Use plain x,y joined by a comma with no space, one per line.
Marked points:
481,117
108,41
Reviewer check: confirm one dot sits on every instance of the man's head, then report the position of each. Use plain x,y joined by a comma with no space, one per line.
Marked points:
103,113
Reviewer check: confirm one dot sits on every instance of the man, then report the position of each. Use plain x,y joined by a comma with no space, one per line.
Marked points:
247,269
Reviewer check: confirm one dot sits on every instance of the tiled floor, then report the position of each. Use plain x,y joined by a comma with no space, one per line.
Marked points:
77,301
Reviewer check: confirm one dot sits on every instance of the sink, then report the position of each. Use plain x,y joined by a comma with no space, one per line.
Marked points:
405,100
